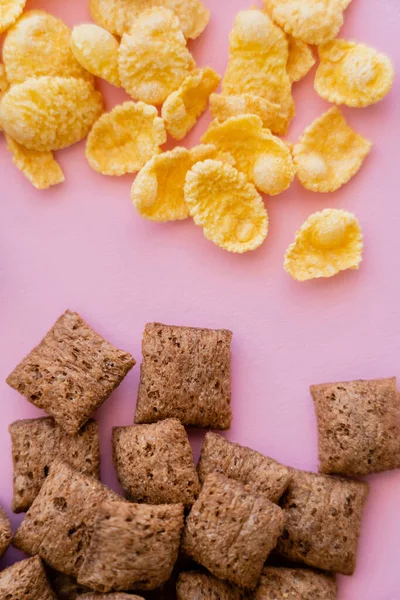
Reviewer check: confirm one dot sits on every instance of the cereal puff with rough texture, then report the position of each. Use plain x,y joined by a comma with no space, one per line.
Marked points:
123,140
352,74
97,51
10,11
153,57
301,59
233,216
328,242
329,153
223,107
40,168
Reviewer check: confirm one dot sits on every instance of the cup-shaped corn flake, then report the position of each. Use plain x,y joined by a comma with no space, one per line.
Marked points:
38,45
301,59
352,74
10,10
123,140
258,55
223,107
182,108
40,168
226,205
50,113
97,51
328,242
153,57
262,157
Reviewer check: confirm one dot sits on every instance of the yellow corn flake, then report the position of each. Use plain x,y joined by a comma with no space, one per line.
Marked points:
4,83
353,74
97,51
258,56
328,242
123,140
265,159
182,108
153,57
40,168
301,59
38,45
10,10
345,4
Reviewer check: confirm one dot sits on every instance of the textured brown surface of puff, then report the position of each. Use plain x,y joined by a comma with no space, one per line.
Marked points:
59,524
71,372
117,596
262,474
36,443
277,583
186,374
323,521
197,585
25,580
358,426
231,531
133,547
5,532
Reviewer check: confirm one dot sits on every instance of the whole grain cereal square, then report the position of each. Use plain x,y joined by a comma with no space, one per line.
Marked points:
186,374
36,443
25,580
358,426
59,524
5,532
231,531
295,584
323,521
262,474
71,372
198,585
133,547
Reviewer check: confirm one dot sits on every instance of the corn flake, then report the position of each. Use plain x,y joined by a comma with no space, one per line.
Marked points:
123,140
97,51
301,59
40,168
352,74
10,10
328,242
345,4
265,159
183,107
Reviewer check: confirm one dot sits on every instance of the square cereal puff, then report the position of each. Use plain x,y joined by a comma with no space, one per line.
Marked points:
358,426
198,585
155,464
71,372
133,547
231,531
186,374
323,520
263,475
36,443
5,532
25,580
296,584
59,523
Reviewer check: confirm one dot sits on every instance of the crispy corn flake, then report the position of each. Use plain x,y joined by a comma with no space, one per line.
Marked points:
258,54
40,168
312,21
97,51
38,45
329,153
153,57
182,108
262,157
301,59
10,10
328,242
123,140
4,83
50,113
352,74
345,4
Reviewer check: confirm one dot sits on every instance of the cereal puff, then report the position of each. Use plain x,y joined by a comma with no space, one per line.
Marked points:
40,168
10,11
97,51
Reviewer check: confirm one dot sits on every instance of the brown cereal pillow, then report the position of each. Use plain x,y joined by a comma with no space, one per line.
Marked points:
25,580
71,372
263,475
323,520
197,585
185,374
5,533
231,531
358,426
36,443
155,464
133,547
295,584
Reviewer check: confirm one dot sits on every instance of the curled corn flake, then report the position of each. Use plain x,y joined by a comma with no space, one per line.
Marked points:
153,57
328,242
352,74
10,10
50,113
123,140
329,153
97,51
233,216
301,59
265,159
40,168
182,108
38,45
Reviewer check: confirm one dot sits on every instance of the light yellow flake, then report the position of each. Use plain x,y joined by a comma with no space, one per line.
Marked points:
10,10
4,85
40,168
353,74
97,51
345,4
301,59
328,242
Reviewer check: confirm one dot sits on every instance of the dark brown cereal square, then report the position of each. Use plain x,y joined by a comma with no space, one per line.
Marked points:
198,585
25,580
295,584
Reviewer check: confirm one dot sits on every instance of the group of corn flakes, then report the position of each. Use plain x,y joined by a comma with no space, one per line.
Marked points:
49,102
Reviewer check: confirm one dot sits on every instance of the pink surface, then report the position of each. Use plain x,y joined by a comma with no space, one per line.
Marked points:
82,246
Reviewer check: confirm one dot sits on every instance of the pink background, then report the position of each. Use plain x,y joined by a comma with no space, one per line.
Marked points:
81,245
